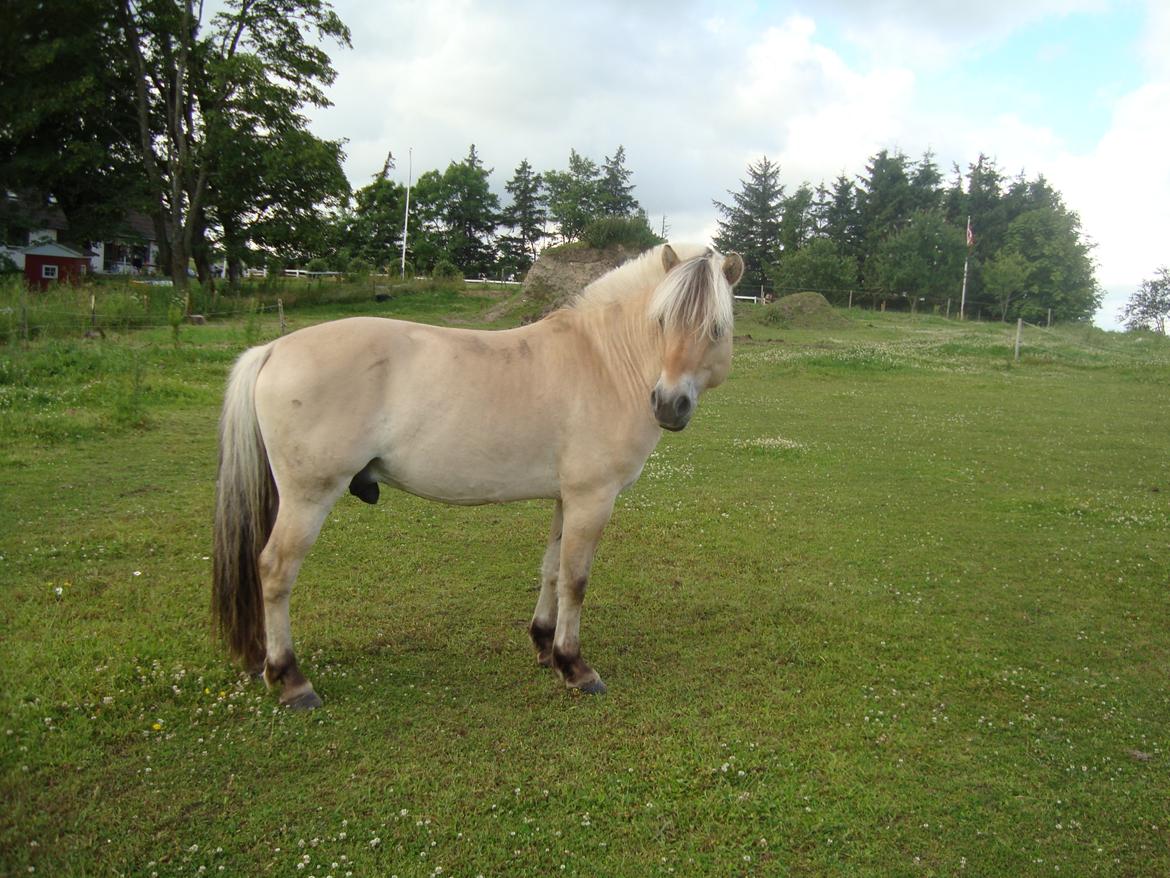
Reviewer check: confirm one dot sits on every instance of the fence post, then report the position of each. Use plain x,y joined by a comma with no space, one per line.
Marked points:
851,300
948,309
280,311
1049,318
24,312
1019,332
93,311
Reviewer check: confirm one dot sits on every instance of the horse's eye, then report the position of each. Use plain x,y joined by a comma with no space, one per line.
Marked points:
717,332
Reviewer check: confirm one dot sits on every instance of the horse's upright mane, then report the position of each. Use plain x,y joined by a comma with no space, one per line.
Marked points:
688,298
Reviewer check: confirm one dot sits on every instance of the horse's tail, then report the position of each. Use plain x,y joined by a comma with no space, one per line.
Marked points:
245,509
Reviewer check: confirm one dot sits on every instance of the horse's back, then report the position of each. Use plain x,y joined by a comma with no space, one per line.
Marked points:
453,414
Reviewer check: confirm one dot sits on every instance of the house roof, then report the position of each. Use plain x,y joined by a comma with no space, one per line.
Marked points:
134,226
51,248
32,209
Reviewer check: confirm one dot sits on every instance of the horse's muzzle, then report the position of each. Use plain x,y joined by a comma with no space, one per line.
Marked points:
672,411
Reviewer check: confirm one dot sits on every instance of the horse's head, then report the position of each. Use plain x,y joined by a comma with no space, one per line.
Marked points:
693,305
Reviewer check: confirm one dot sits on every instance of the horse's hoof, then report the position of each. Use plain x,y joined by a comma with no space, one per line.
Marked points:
309,700
593,687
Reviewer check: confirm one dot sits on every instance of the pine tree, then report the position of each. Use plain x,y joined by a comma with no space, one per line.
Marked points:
470,214
841,220
614,188
526,214
884,198
926,184
750,225
798,220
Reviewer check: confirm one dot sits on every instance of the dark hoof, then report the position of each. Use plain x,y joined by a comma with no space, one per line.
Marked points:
305,701
593,687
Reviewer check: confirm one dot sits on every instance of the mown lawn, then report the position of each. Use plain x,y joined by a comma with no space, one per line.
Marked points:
890,606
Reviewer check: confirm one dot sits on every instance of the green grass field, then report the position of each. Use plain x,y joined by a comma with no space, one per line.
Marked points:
892,605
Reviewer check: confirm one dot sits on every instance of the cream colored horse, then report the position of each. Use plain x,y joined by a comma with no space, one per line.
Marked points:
568,408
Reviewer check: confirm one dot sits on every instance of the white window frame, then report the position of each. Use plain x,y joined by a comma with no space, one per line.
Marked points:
49,272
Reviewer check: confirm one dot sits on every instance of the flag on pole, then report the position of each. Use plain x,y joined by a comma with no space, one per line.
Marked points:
970,234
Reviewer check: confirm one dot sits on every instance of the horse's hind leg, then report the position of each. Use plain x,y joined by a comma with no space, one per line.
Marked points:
293,534
544,619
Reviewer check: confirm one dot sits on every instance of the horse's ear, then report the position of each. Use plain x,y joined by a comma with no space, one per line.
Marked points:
733,268
669,258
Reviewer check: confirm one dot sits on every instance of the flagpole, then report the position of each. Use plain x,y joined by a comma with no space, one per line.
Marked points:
406,213
966,260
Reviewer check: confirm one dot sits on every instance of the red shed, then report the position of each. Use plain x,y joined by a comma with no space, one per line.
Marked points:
51,263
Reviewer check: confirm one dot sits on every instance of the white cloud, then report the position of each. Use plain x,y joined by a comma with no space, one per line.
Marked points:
696,91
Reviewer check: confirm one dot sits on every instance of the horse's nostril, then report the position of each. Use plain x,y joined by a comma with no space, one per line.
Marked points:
654,398
682,405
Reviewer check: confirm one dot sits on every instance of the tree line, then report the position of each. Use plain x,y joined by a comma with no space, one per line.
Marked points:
121,105
897,231
455,218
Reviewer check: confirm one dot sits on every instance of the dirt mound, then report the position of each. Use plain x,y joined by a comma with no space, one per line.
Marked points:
562,272
804,311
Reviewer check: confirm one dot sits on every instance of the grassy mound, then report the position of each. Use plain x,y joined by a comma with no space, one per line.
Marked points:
803,311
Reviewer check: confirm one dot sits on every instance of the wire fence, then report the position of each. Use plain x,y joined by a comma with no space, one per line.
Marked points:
881,300
125,305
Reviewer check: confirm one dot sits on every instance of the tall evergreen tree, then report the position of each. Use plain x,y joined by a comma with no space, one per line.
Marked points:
526,214
797,219
614,189
750,225
470,215
926,184
842,220
885,200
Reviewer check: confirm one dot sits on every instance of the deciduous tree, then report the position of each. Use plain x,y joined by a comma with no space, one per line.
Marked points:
1149,307
574,196
258,59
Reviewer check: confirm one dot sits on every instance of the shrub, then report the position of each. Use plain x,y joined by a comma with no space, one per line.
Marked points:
358,268
628,231
445,269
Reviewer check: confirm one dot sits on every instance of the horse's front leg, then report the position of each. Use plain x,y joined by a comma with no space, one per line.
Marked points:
544,619
584,519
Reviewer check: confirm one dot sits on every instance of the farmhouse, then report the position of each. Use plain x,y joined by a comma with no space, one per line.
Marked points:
28,219
131,248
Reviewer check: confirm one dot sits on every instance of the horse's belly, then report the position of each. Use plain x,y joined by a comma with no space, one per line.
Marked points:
468,485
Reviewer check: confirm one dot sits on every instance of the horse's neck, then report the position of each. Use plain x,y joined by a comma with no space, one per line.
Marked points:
627,342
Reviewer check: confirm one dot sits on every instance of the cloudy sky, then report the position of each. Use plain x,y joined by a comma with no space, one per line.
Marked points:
1078,90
